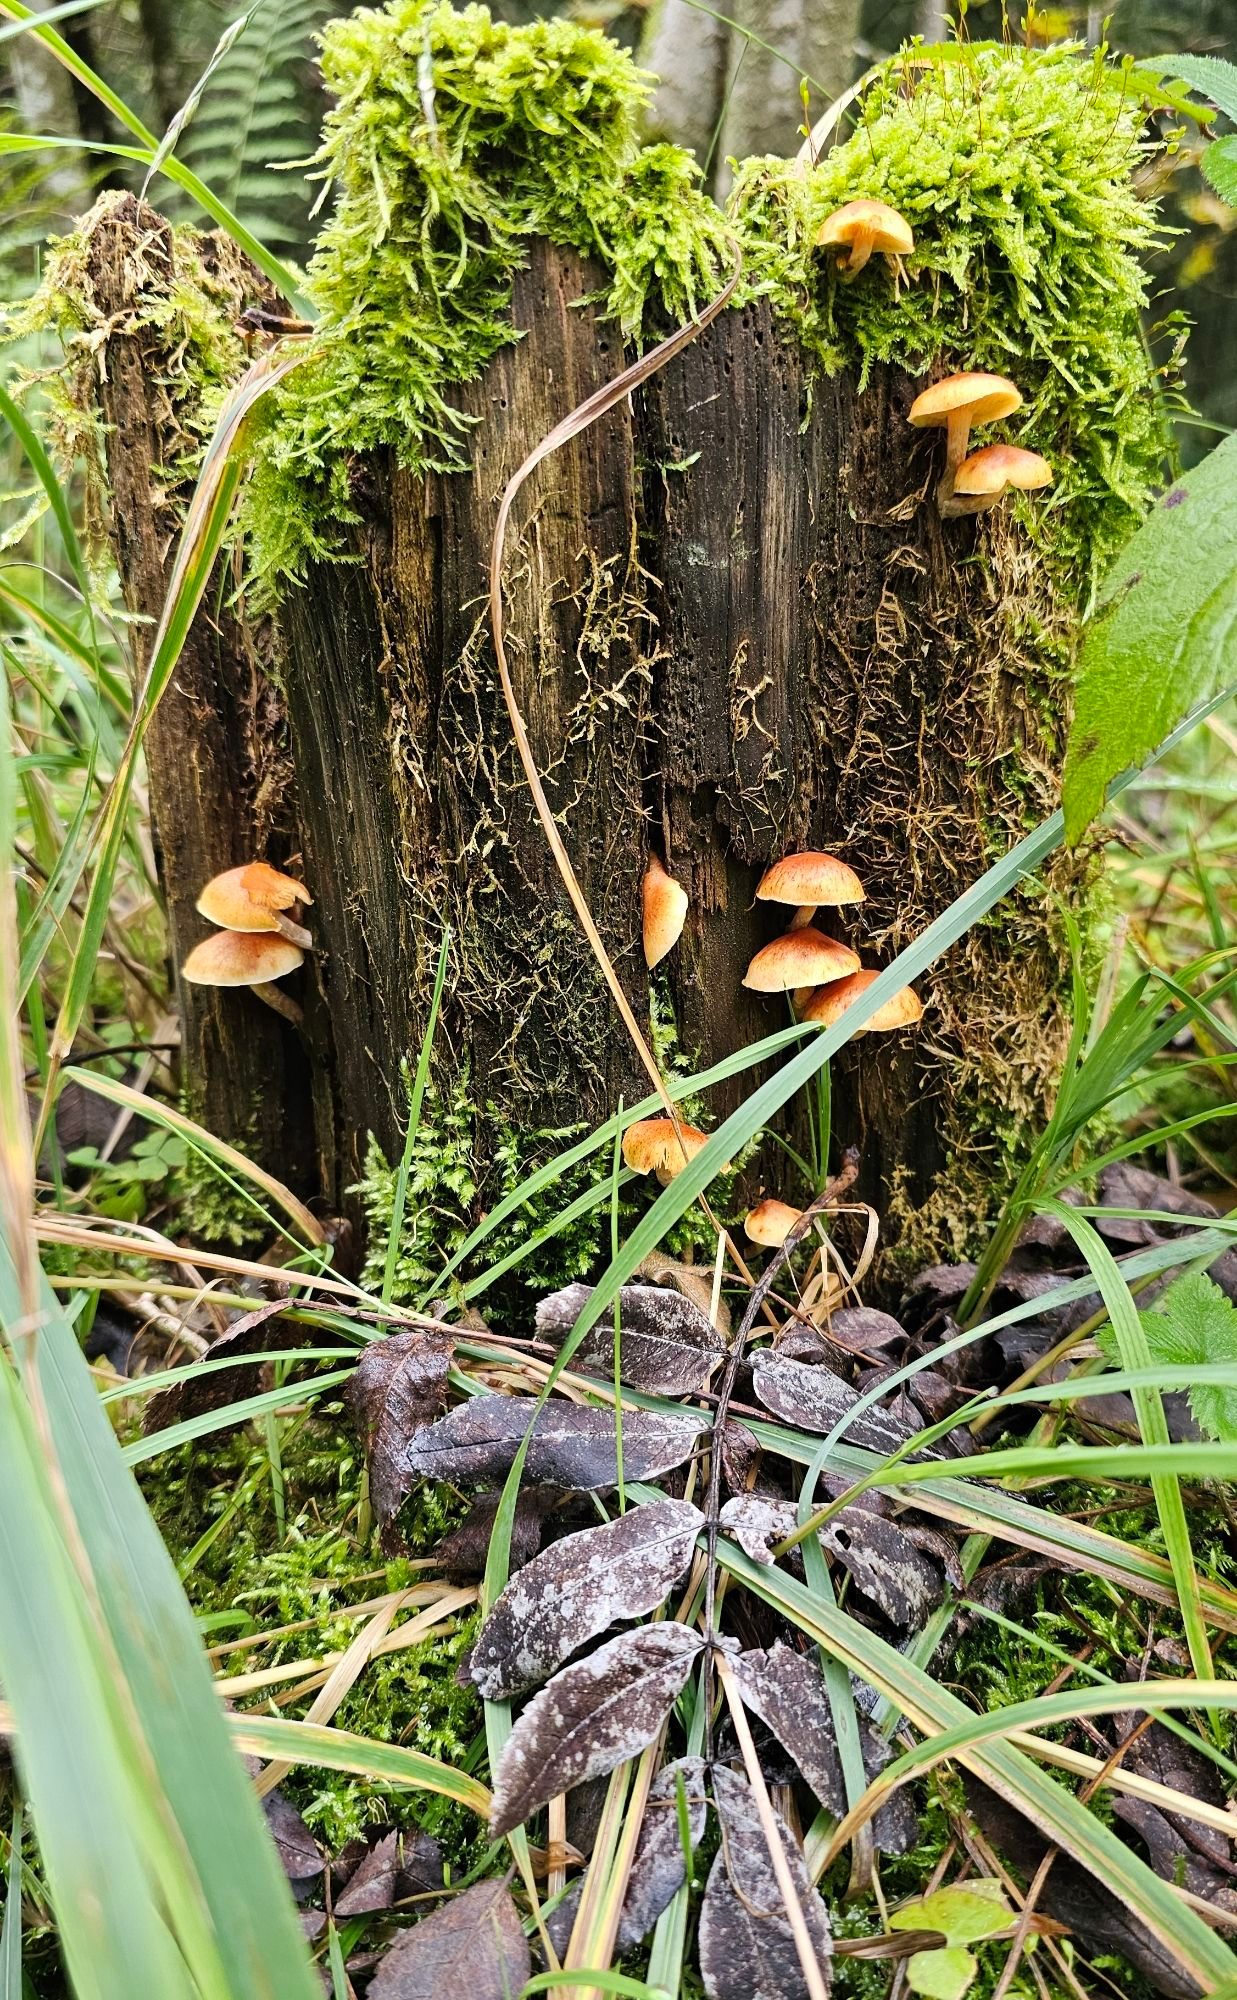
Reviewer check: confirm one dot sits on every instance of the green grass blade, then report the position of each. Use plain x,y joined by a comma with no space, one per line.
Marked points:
1152,1424
241,1412
416,1101
10,1934
338,1750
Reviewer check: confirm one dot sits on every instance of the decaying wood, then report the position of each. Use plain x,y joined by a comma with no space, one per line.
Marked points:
216,752
738,626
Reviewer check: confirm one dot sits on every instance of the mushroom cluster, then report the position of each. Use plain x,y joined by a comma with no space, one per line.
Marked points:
256,942
970,485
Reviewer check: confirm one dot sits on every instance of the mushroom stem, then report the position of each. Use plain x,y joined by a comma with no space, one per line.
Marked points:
273,996
295,932
860,251
954,505
802,917
957,435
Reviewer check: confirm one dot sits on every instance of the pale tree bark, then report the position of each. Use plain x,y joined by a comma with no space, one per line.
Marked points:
725,95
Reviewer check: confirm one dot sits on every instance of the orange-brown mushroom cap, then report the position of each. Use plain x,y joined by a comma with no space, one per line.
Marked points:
665,912
652,1146
241,958
230,901
829,1005
997,467
981,398
770,1223
864,226
801,958
810,877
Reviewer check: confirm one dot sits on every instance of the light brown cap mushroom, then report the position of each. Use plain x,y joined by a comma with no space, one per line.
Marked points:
665,912
654,1147
809,878
957,402
253,898
862,227
988,473
829,1005
246,958
770,1223
804,957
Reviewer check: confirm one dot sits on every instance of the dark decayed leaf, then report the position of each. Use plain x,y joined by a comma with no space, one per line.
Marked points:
571,1446
578,1588
371,1886
297,1848
740,1455
473,1946
1123,1185
375,1874
253,1333
399,1387
668,1346
463,1552
787,1691
815,1399
747,1948
660,1867
592,1716
863,1330
882,1560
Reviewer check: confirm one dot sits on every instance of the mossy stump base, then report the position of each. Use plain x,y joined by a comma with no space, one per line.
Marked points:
738,627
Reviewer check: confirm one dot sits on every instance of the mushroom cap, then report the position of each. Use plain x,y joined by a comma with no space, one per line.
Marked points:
809,878
241,899
801,958
665,912
829,1005
770,1223
999,466
654,1147
274,891
241,958
983,397
884,227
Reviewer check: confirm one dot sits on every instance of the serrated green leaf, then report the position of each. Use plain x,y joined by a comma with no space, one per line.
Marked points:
1194,1324
1219,164
1164,637
1211,76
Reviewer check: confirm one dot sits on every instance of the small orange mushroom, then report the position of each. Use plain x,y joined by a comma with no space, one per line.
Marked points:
246,958
665,912
802,958
652,1146
808,880
986,476
254,898
831,1002
862,227
770,1223
957,403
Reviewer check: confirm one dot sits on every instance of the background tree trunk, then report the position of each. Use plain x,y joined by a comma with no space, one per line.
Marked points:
216,750
725,96
732,636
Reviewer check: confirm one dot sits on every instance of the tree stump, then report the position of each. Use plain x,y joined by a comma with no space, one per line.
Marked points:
738,627
216,752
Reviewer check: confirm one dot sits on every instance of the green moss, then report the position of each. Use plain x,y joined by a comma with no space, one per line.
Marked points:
1015,168
525,132
246,1578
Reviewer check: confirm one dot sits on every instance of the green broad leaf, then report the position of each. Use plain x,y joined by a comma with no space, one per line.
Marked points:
1195,1324
966,1912
1219,164
1209,75
942,1975
1163,638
